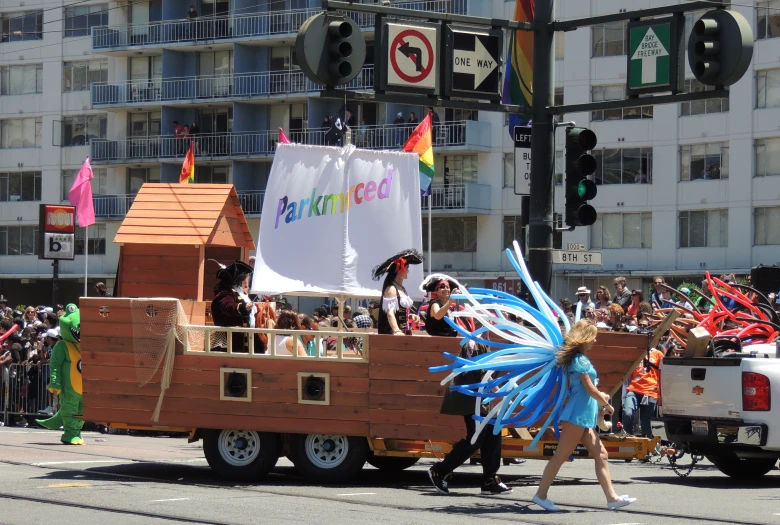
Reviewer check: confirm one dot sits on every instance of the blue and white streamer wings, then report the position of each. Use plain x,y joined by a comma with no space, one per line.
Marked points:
530,382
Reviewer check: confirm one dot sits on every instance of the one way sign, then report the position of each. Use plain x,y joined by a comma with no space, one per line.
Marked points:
474,63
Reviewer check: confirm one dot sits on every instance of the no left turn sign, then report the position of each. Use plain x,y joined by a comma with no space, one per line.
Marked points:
412,56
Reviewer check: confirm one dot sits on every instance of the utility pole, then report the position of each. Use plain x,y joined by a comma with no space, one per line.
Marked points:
540,237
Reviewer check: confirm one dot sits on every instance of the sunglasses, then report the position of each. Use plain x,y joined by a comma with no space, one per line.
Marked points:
659,282
445,287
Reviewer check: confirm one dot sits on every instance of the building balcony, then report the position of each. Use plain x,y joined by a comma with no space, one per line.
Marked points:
263,27
459,199
228,88
115,207
450,137
208,146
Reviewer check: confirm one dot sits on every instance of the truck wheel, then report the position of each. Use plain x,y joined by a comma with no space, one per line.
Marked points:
391,463
328,458
741,468
240,455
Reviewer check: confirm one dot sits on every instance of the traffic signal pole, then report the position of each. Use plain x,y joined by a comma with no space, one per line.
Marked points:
540,234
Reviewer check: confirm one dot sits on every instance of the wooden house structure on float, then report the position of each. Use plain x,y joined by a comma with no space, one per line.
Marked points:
171,232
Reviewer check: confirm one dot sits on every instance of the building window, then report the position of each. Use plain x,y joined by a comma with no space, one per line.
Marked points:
624,166
460,169
23,25
20,186
558,101
79,20
76,131
767,19
765,221
767,157
97,240
137,177
452,234
707,228
704,161
622,230
616,92
560,39
212,174
701,107
21,80
20,133
99,184
513,231
768,88
559,167
18,240
608,39
77,76
509,170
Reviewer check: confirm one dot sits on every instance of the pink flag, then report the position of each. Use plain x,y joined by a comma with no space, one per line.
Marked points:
80,195
282,137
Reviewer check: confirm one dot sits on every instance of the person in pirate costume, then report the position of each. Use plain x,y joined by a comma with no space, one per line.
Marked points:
396,303
441,289
232,307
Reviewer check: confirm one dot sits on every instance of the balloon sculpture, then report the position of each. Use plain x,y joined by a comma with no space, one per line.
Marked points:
531,383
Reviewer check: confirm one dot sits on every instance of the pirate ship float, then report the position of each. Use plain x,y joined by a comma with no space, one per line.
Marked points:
149,362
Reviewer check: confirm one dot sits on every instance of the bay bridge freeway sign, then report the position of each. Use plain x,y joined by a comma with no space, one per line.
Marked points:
656,55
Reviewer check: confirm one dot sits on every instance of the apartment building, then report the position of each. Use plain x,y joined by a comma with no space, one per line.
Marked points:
682,188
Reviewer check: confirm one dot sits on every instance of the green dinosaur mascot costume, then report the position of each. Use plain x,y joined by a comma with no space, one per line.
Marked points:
65,365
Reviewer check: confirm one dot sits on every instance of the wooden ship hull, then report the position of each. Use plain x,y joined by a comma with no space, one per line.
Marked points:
388,395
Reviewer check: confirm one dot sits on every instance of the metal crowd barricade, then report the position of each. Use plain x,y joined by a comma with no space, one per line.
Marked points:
25,390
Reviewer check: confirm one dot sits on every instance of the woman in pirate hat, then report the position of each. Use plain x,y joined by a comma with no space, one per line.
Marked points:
232,306
395,301
441,288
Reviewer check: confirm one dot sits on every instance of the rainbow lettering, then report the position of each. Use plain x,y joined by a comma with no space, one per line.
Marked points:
318,205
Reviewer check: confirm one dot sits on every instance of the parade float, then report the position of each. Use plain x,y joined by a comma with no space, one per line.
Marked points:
153,359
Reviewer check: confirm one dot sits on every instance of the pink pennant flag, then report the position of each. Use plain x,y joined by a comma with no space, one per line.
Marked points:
80,195
282,137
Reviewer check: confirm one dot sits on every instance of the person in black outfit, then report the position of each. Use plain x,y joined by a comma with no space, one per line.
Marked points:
441,289
396,303
232,306
489,444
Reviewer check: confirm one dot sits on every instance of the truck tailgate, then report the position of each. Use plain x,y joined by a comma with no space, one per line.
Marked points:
701,387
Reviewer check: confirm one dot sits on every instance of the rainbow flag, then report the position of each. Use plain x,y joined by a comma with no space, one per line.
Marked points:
421,142
187,175
519,77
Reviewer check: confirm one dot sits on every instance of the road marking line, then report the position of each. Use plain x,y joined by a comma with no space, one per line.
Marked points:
46,463
171,499
359,494
65,485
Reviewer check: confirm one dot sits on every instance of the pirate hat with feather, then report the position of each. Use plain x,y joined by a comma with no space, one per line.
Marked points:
405,257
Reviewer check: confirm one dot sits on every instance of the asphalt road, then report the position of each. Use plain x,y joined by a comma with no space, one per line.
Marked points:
118,479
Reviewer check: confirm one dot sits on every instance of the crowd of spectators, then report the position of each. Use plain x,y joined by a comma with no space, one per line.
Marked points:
25,354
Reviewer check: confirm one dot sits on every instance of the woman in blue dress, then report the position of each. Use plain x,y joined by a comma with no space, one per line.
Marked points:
578,417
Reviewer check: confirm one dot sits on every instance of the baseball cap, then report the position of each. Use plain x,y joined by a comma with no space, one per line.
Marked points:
53,333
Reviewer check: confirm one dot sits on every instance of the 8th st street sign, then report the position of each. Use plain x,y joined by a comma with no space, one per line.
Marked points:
655,56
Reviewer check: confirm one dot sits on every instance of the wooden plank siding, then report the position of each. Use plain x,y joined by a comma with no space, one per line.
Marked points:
393,396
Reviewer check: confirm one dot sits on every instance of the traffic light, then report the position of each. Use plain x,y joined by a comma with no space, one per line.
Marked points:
720,47
579,188
330,49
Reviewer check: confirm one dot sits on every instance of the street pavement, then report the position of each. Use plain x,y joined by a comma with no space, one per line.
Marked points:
120,479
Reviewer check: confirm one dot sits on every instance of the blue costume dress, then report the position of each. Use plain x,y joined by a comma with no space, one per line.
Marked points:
580,409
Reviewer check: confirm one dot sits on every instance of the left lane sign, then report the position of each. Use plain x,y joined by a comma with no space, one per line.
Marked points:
474,62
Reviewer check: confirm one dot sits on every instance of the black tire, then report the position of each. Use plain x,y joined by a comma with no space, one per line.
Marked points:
391,463
743,469
328,458
240,455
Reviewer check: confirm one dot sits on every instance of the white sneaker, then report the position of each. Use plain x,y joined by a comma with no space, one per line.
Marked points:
546,504
47,411
622,502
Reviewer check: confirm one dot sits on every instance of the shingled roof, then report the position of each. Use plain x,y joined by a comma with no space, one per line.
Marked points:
195,214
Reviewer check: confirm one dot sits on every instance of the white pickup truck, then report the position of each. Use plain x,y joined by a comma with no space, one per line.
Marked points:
726,408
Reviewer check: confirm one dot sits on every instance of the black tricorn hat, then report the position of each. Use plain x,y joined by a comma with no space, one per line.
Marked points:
229,273
432,282
411,256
